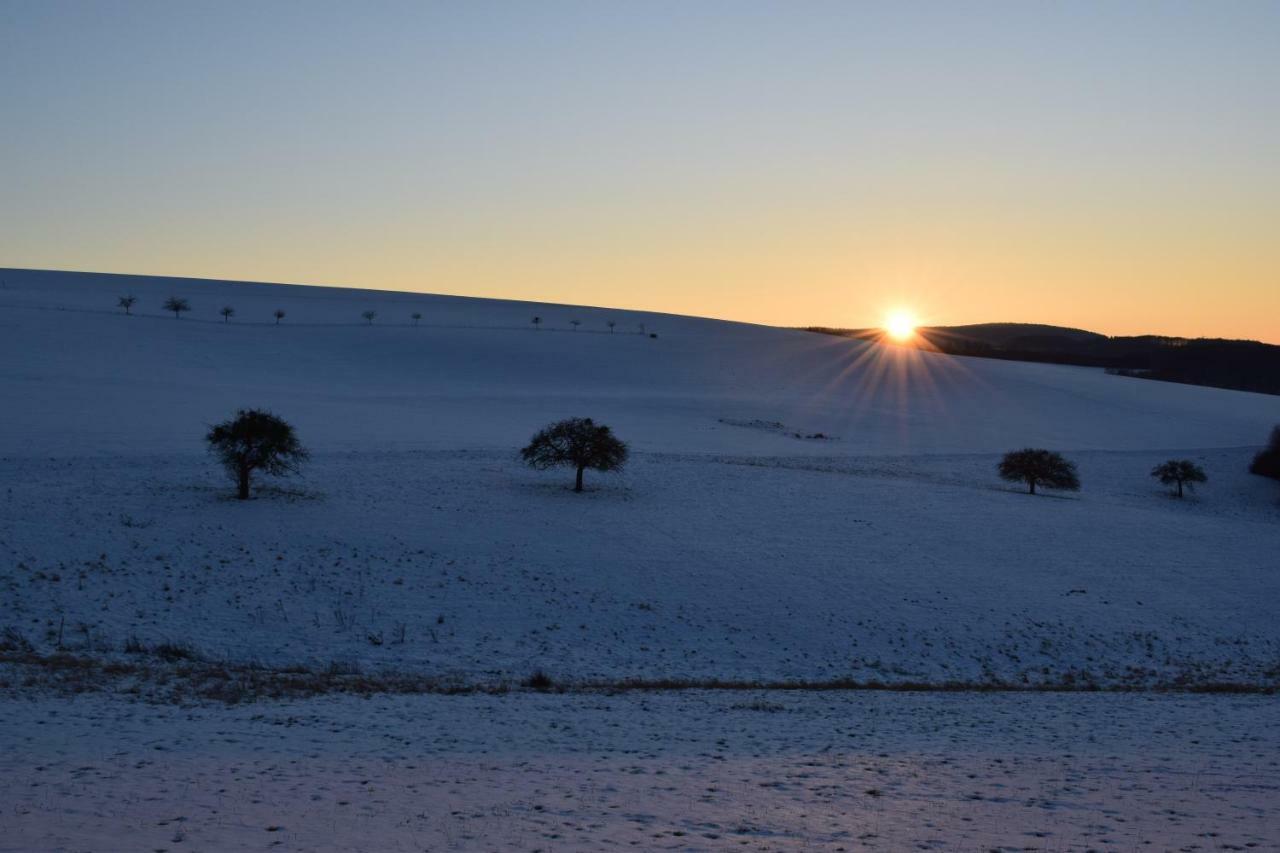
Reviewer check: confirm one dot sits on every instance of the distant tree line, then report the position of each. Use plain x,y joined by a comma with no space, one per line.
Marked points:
1214,362
178,306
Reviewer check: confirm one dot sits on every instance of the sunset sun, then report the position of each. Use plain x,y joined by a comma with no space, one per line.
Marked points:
901,326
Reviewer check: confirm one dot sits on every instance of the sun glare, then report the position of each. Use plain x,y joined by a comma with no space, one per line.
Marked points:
901,326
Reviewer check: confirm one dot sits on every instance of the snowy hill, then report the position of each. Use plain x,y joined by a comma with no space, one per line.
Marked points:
736,545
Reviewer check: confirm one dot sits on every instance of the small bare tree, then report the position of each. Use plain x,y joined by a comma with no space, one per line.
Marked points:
577,443
575,324
177,305
255,440
368,316
227,313
611,324
536,321
1179,472
1038,466
127,303
279,315
416,317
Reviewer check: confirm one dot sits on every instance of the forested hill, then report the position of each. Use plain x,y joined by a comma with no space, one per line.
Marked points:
1214,362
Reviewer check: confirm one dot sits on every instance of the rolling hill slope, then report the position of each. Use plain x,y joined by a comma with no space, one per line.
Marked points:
737,545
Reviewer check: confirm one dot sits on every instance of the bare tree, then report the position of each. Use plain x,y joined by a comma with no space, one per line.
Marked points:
368,316
227,313
577,443
1038,466
611,324
279,315
575,324
127,303
415,316
1179,472
537,321
177,305
255,440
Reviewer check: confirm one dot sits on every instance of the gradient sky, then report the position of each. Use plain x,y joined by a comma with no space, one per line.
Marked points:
1114,166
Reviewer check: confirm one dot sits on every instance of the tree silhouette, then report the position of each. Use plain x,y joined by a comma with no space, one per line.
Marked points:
279,315
368,316
416,317
575,324
255,440
127,303
1038,466
1267,462
536,321
1179,472
227,313
177,305
577,443
611,324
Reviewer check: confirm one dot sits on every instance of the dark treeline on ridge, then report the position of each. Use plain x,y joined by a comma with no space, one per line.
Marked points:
1216,362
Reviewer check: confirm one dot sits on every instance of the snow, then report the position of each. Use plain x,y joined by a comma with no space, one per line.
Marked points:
688,771
735,546
475,374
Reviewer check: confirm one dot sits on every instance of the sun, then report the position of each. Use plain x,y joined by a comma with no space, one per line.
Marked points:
901,326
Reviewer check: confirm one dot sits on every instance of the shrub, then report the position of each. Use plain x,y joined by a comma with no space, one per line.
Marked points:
1267,462
1037,466
368,316
255,440
1179,472
539,680
577,443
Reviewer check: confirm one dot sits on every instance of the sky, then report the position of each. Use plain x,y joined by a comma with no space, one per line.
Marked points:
1111,166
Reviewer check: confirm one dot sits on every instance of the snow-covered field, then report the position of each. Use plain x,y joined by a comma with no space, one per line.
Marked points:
690,771
735,546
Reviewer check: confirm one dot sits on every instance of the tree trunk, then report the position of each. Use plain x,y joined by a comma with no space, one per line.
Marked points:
242,485
1179,488
577,486
1032,483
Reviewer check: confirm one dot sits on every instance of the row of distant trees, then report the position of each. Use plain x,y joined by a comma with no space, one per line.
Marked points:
178,306
611,324
257,440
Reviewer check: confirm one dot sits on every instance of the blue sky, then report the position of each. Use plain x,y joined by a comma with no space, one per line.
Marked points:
1095,164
